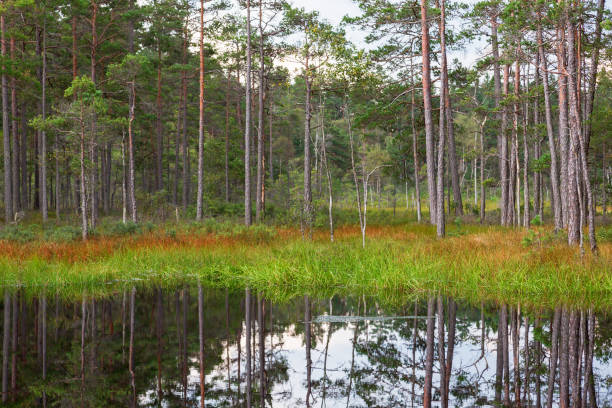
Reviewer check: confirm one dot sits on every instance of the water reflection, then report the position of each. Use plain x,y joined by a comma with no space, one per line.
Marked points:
195,347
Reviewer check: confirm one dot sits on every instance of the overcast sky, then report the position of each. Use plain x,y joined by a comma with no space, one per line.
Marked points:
334,10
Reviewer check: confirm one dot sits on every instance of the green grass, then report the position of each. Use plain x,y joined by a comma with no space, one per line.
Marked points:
393,269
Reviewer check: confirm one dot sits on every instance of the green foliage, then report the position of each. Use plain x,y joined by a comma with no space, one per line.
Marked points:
128,228
19,233
604,234
64,233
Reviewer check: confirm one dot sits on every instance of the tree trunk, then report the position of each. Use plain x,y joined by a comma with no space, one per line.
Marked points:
563,122
448,111
8,198
131,179
83,195
444,120
554,172
505,182
574,220
497,96
429,127
15,187
590,97
93,142
260,124
308,211
247,336
247,131
227,136
415,155
158,124
201,127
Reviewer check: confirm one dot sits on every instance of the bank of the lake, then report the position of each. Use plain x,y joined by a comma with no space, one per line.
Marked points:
476,263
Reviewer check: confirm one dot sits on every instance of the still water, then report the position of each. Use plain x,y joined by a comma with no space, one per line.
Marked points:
154,347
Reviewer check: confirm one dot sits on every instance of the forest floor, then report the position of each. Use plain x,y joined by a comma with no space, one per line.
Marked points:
477,263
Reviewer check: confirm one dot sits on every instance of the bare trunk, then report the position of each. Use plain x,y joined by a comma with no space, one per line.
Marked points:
505,162
158,124
8,198
554,172
227,136
444,105
15,187
308,211
247,131
415,155
131,180
201,127
563,122
592,84
260,124
429,128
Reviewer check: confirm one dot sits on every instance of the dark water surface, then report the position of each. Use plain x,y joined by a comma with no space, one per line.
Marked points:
151,347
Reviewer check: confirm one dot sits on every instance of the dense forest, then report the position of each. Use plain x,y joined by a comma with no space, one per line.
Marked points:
171,109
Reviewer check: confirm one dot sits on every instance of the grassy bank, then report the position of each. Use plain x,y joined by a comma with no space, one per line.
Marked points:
475,263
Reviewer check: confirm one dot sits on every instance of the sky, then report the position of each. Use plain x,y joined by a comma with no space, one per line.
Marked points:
334,10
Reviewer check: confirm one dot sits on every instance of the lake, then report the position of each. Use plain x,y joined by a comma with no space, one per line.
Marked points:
142,347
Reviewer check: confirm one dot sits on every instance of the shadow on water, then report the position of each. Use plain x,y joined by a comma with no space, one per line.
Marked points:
168,348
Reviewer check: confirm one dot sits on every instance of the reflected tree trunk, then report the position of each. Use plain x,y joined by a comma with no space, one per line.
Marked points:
131,352
441,351
350,385
14,329
538,363
526,390
588,364
554,355
564,360
516,327
201,338
44,347
247,305
506,355
308,341
83,326
262,349
499,366
414,344
429,353
228,361
450,350
184,366
5,343
325,379
158,330
123,305
574,357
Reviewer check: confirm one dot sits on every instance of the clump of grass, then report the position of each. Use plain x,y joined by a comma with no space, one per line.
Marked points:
398,263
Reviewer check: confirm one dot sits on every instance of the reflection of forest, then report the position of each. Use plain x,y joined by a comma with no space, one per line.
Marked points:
141,348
